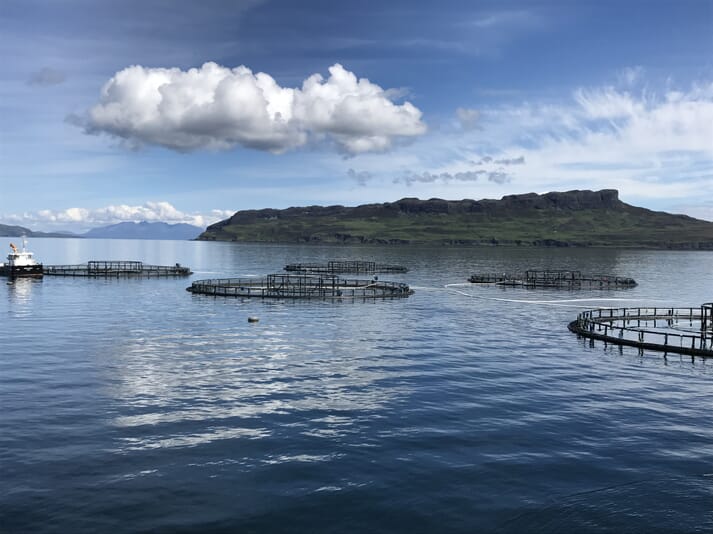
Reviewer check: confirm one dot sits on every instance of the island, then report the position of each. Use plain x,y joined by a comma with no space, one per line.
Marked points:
579,218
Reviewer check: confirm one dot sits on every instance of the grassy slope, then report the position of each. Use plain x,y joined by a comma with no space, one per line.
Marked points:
628,226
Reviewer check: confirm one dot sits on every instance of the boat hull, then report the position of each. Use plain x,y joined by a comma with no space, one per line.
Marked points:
16,271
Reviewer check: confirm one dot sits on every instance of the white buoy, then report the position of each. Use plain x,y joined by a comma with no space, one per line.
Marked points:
253,319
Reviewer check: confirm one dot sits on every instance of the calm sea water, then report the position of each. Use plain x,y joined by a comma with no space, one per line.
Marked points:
132,405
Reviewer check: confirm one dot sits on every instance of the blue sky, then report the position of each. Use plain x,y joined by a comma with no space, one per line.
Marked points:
156,110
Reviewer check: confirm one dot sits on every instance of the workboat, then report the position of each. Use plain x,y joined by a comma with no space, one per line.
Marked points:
20,263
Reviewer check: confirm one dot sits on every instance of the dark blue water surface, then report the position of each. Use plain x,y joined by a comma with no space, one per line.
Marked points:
133,405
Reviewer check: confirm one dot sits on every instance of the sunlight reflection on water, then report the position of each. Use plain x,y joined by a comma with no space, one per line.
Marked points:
459,408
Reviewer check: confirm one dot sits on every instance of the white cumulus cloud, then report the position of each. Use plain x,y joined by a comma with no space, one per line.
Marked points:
215,107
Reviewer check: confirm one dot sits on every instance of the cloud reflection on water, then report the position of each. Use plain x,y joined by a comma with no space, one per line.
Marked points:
232,379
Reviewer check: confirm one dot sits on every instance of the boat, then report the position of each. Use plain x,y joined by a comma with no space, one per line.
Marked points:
21,263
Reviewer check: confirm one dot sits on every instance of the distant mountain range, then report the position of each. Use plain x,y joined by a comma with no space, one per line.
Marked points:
18,231
145,230
125,230
557,219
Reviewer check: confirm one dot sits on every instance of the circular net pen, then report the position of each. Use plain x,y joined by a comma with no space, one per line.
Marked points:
300,286
344,267
114,268
675,330
554,279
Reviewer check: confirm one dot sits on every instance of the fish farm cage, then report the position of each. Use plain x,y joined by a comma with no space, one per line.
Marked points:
343,267
554,279
107,269
675,330
300,286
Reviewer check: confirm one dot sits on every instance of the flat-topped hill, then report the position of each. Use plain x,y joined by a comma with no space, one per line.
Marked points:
572,218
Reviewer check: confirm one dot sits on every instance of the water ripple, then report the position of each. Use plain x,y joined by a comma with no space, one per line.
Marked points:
130,405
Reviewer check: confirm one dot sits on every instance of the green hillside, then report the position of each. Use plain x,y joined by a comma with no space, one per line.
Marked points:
574,218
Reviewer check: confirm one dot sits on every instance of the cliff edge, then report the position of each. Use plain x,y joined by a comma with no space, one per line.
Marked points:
571,218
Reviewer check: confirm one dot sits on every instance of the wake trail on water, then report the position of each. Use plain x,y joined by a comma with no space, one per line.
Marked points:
563,303
569,303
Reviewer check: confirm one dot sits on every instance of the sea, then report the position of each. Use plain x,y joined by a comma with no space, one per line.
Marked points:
132,405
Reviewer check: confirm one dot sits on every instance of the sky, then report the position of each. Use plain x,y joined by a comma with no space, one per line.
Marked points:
182,111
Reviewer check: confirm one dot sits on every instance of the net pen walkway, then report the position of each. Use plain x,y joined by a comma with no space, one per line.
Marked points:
300,286
676,330
344,267
116,269
554,279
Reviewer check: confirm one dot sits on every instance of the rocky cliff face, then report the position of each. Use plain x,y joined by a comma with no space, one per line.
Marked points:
571,218
570,200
